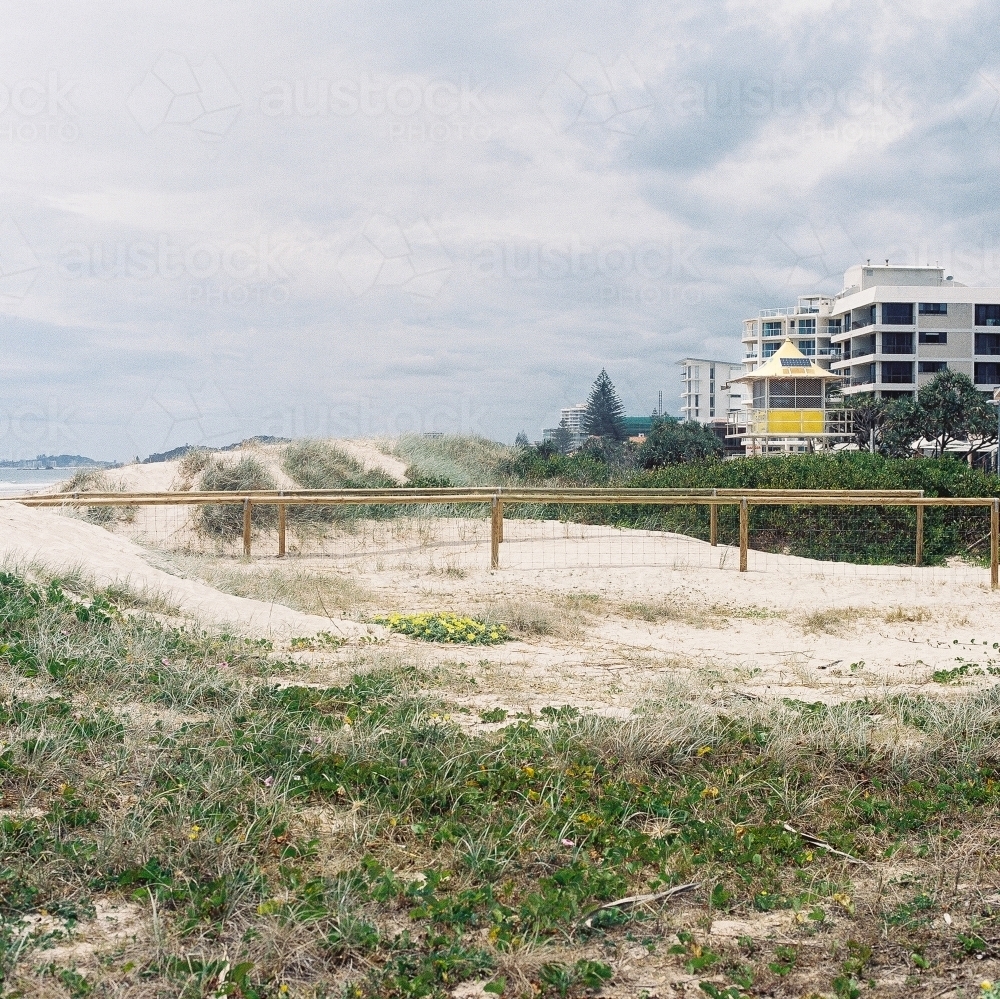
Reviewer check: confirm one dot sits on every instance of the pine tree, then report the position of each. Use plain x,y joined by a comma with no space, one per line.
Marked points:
562,438
521,440
605,415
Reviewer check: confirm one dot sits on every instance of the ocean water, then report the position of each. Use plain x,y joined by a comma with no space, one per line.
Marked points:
14,481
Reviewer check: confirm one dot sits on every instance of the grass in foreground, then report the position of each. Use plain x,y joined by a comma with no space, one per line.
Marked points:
351,841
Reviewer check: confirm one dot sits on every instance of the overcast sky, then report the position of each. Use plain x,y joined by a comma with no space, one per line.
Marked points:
223,219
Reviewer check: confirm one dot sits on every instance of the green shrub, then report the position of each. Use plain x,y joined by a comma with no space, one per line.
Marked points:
245,475
445,628
877,535
319,465
669,443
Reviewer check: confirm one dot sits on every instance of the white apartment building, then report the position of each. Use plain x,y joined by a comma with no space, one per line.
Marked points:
897,327
706,395
806,324
889,331
573,417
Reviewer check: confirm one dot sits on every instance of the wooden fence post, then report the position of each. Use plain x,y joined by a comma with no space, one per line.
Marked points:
247,510
744,532
713,523
281,530
501,521
495,527
919,560
995,545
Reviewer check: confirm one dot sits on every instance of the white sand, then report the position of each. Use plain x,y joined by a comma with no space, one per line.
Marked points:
63,543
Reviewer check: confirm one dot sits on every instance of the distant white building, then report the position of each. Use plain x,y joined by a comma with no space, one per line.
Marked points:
706,393
573,418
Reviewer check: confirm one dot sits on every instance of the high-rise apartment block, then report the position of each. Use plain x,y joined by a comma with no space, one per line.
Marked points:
891,330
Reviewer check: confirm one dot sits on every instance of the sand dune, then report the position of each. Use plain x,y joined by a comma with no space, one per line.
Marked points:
63,543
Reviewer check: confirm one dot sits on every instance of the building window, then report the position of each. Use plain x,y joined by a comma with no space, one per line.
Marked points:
988,343
796,393
931,367
897,372
759,397
807,327
897,313
937,336
769,349
988,315
933,309
987,373
897,343
808,347
772,329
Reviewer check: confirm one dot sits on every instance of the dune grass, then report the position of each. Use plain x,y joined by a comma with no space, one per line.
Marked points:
272,838
226,522
456,460
317,464
324,593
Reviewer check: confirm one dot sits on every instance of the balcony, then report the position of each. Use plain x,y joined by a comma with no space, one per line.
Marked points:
859,324
790,423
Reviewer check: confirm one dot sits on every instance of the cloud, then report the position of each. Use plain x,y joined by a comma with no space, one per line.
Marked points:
217,225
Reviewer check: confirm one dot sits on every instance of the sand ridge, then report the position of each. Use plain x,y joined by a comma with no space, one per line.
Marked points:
62,544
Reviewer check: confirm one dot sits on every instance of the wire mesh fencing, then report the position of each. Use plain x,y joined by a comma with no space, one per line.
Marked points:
364,537
898,535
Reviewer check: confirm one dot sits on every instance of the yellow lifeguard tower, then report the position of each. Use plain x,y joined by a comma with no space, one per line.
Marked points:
789,410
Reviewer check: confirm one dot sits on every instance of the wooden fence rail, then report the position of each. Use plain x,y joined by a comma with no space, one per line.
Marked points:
497,498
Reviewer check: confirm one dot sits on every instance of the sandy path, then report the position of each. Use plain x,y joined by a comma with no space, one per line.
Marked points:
369,454
63,543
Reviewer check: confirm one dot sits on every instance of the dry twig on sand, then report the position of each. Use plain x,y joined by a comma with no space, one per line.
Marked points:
820,844
637,899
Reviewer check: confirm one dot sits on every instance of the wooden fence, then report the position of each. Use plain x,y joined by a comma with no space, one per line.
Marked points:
498,498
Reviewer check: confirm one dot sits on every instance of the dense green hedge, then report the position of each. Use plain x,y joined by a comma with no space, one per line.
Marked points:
877,535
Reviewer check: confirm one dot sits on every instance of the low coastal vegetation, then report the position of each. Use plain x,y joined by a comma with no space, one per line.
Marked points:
244,475
867,535
446,627
182,814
